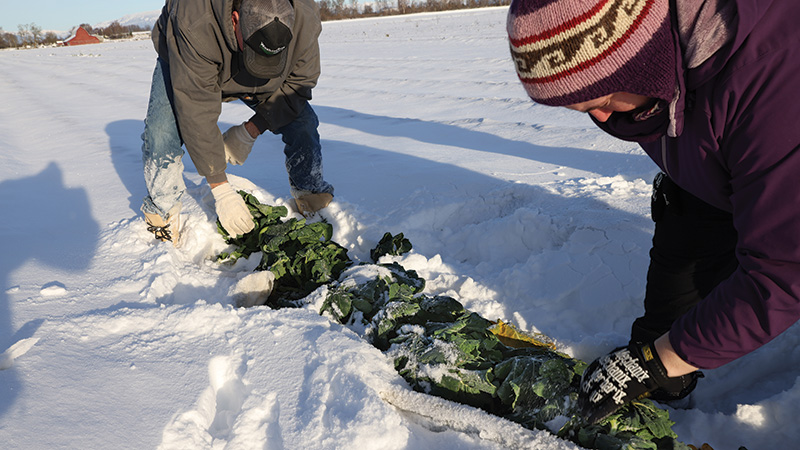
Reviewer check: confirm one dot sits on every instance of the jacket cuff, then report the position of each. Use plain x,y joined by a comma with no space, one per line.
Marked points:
260,122
217,178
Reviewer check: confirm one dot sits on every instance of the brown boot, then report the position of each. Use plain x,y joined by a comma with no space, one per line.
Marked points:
165,230
310,203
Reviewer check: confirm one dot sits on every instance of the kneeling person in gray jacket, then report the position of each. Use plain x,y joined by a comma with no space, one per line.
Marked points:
263,52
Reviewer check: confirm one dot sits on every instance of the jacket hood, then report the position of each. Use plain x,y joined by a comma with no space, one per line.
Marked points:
223,10
712,33
707,34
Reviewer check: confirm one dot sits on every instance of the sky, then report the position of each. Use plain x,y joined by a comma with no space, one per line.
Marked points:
61,16
522,212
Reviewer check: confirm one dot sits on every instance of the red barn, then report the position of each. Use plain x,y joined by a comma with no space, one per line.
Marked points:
81,37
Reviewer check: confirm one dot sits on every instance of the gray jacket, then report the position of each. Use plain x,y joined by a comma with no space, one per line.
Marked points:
196,39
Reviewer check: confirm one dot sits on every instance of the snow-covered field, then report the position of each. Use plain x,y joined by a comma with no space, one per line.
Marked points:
524,213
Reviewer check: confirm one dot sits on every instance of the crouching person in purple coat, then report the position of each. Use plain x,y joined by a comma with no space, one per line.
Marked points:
709,90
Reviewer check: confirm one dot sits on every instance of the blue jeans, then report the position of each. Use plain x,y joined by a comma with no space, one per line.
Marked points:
162,150
303,153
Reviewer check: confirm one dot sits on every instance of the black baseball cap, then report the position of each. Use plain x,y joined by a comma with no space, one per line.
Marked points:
267,31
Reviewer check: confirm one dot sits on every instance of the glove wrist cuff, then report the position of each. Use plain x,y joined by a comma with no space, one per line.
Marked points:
244,135
222,191
649,356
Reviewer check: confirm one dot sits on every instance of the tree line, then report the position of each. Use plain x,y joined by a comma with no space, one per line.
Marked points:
31,35
350,9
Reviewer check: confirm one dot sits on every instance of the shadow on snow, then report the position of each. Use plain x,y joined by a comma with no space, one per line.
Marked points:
50,224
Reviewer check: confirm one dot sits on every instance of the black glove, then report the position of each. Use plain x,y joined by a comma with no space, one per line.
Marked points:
623,375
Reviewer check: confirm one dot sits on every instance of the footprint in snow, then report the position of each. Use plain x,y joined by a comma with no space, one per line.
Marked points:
228,413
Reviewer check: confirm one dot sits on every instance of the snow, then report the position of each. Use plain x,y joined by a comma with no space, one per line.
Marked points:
524,213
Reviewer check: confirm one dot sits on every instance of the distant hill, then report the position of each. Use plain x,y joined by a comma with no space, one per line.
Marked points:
143,19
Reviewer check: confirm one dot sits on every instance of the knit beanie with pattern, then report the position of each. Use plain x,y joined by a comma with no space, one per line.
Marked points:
573,51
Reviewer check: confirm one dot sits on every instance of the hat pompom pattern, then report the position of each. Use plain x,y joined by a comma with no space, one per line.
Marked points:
571,51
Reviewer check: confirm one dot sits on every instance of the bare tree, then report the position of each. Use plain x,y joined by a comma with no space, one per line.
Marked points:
8,40
115,31
402,6
382,6
24,34
325,10
50,38
36,33
30,34
338,7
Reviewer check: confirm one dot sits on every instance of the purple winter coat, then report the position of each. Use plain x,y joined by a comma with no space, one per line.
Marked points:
738,148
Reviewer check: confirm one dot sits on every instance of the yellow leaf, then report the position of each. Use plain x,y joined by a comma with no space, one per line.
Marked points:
509,335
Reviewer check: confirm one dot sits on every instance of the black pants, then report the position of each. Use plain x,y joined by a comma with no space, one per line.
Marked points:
693,251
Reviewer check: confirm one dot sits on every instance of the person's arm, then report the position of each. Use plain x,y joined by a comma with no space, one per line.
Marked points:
753,133
239,141
672,362
197,95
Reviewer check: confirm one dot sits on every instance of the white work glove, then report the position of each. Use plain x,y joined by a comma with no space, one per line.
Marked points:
238,144
232,211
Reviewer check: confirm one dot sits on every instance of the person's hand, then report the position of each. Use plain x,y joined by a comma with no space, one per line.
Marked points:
624,375
232,211
238,144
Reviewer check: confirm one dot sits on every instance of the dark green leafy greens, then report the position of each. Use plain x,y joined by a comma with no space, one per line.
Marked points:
437,345
442,349
390,245
301,255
